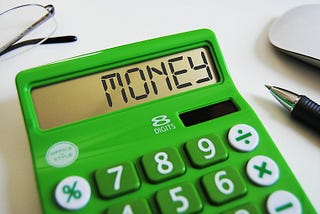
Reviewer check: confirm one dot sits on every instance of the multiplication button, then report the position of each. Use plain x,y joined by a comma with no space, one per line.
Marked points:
243,138
73,193
283,202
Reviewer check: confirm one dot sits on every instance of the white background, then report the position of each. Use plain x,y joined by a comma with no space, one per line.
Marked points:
242,30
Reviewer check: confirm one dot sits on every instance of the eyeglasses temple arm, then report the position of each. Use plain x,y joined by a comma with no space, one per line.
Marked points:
51,40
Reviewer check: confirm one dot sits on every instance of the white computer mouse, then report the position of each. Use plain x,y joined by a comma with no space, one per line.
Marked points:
297,33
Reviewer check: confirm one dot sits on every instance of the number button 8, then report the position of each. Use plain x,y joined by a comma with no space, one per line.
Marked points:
206,151
163,165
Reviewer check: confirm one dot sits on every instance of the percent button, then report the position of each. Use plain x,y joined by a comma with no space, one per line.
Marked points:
73,193
243,137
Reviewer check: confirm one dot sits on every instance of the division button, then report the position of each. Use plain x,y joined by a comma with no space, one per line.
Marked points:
283,202
262,170
243,138
73,193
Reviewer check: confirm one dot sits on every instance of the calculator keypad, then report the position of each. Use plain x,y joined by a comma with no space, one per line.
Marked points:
220,186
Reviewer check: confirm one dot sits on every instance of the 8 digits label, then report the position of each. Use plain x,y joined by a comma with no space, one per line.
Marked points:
162,124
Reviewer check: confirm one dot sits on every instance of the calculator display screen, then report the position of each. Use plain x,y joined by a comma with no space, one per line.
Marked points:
122,87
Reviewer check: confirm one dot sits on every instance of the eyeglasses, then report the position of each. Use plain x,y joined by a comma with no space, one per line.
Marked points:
26,26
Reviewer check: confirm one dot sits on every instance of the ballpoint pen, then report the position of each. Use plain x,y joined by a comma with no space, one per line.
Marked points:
301,107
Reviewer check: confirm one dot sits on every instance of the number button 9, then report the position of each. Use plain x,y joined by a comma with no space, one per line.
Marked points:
163,165
206,151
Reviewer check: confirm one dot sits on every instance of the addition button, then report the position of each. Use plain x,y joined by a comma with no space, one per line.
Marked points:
262,170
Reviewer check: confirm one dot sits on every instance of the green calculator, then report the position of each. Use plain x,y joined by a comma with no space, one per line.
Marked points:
151,127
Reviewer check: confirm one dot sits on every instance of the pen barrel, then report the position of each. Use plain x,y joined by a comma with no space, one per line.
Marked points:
308,112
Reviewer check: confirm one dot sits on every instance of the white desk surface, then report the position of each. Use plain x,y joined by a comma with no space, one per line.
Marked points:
242,31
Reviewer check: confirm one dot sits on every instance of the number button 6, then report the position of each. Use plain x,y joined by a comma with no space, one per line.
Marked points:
162,165
224,185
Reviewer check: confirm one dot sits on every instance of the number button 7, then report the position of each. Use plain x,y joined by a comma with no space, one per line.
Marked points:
117,180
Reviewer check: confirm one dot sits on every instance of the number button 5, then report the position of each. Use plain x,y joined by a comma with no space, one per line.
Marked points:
117,180
163,165
180,199
224,185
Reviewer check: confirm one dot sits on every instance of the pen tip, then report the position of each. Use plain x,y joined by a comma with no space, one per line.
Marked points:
268,86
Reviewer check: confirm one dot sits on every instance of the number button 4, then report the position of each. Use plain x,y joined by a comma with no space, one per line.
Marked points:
117,180
163,165
131,207
206,151
180,199
224,185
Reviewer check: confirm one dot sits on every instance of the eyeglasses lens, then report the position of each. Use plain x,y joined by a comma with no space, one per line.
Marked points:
24,23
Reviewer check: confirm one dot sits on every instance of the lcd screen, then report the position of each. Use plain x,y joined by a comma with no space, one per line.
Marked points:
122,87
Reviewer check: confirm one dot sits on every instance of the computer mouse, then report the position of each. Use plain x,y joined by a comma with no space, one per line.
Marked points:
297,33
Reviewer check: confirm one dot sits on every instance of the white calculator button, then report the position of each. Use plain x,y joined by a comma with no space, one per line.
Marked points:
283,202
73,193
243,137
242,211
262,170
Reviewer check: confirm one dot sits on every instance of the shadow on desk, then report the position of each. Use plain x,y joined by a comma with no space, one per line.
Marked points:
17,177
